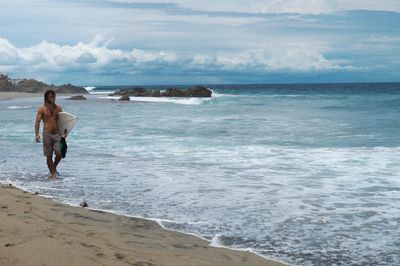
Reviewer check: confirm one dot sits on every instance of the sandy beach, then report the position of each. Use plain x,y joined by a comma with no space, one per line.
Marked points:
4,96
14,95
38,231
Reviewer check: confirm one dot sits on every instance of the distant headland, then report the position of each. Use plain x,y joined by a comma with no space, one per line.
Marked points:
33,86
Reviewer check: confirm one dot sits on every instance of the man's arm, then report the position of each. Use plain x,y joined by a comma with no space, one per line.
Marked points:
37,123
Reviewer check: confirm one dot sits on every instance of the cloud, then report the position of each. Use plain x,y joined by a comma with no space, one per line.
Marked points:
292,58
85,57
141,56
382,38
275,6
176,39
96,58
8,53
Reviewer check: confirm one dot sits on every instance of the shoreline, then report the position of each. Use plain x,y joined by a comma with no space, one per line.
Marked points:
37,230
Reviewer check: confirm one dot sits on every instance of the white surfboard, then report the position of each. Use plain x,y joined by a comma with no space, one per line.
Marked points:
66,122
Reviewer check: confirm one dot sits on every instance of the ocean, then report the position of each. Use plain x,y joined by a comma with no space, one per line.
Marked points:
307,174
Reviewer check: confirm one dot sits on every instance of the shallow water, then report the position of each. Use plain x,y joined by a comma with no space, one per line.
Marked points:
307,174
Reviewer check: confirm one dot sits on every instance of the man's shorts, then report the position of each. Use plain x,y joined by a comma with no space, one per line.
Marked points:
51,143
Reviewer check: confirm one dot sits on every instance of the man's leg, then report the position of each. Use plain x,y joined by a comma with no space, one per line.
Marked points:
57,152
50,165
56,161
48,152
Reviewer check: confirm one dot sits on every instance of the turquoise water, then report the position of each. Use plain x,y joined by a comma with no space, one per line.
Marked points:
306,174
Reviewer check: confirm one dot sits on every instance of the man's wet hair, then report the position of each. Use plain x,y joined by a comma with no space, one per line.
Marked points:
47,93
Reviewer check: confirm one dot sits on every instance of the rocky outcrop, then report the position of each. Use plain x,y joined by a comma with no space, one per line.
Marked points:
173,92
30,85
198,91
77,98
137,92
34,86
70,89
124,98
5,83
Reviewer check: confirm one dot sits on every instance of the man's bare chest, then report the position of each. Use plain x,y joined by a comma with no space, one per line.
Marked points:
50,115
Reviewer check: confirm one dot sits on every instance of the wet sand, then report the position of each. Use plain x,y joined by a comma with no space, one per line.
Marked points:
38,231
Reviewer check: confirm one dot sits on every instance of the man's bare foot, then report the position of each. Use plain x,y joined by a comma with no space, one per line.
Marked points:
53,174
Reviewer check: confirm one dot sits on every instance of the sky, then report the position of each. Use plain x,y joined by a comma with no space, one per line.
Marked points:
142,42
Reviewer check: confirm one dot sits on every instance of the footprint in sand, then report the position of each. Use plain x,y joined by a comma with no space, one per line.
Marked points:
119,256
100,255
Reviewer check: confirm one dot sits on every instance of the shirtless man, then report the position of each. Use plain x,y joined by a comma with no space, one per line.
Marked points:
48,112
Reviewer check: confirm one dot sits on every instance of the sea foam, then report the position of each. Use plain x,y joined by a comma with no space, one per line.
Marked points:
89,89
16,107
185,101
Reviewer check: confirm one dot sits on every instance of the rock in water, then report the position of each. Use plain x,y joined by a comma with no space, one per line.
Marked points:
77,98
173,92
84,204
124,98
198,91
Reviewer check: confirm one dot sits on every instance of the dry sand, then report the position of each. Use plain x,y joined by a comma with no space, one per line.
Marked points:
14,95
38,231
